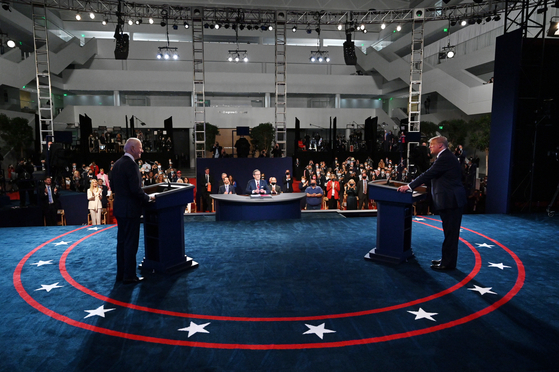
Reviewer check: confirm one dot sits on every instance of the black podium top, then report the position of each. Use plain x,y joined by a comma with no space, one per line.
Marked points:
381,190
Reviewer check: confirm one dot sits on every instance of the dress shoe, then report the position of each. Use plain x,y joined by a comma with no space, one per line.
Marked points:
133,280
436,262
441,268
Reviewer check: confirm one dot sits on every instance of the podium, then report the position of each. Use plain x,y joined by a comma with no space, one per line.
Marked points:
394,221
164,228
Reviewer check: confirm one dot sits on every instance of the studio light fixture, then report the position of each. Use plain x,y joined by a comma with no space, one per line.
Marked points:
130,22
167,52
294,29
319,55
104,22
139,21
383,26
186,25
10,43
237,55
553,27
78,17
150,21
91,15
6,6
398,28
463,23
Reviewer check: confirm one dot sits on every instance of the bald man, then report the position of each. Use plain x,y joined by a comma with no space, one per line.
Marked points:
129,200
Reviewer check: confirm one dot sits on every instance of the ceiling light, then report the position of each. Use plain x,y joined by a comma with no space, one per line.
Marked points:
11,43
497,18
139,21
383,26
78,17
175,26
91,15
163,23
463,23
398,28
270,28
217,26
150,21
186,25
130,22
6,7
453,22
294,29
237,55
320,56
167,52
364,30
340,27
362,27
104,22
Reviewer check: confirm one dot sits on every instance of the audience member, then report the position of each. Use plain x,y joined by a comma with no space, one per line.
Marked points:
95,205
314,196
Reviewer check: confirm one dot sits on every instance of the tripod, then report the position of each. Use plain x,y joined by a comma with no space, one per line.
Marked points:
551,213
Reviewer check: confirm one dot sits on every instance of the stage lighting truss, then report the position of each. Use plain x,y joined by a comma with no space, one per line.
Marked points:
237,56
320,56
167,53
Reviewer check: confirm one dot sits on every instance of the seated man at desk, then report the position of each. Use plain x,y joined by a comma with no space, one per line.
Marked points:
226,188
257,186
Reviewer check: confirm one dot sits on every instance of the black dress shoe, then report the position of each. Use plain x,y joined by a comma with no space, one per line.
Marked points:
441,268
133,280
436,262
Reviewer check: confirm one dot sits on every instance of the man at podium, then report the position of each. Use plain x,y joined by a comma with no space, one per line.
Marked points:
129,199
449,198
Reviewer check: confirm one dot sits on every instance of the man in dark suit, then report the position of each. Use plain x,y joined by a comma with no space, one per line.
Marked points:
49,202
449,198
126,183
362,190
288,182
257,186
226,188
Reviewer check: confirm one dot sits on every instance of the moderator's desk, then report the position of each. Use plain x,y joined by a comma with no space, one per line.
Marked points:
394,221
231,207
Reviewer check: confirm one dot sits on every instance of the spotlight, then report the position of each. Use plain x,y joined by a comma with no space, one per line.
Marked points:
488,19
175,26
313,59
450,54
471,21
104,22
226,26
159,55
150,21
241,27
294,29
383,26
10,43
91,15
237,59
139,21
270,28
340,27
362,27
309,31
245,59
263,28
463,23
78,17
365,31
217,26
327,59
206,25
130,22
249,27
163,23
317,30
478,21
175,56
497,18
398,28
166,55
453,22
6,7
196,12
186,25
230,59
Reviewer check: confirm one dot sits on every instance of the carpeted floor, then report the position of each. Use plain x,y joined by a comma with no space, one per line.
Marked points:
285,296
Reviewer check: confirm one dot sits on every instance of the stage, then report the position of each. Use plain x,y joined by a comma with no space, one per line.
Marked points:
291,295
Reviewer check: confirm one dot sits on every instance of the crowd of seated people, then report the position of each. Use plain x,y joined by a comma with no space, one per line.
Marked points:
104,140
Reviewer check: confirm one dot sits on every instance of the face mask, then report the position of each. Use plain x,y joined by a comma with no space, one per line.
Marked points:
273,183
313,184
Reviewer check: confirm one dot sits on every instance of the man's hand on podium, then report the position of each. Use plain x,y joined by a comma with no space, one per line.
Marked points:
404,188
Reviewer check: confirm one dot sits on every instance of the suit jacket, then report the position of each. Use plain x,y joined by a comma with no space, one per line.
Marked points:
445,176
126,183
251,185
94,199
45,198
276,187
360,189
222,189
287,182
333,185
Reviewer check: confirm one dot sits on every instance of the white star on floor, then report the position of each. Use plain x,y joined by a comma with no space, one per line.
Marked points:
61,243
49,287
484,245
194,328
419,219
94,228
482,290
100,311
420,314
41,263
499,265
318,330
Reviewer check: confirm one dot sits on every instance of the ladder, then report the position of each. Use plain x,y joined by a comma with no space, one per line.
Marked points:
42,73
198,92
281,85
416,77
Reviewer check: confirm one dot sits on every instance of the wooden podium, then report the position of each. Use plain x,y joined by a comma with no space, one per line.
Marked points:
394,221
164,228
